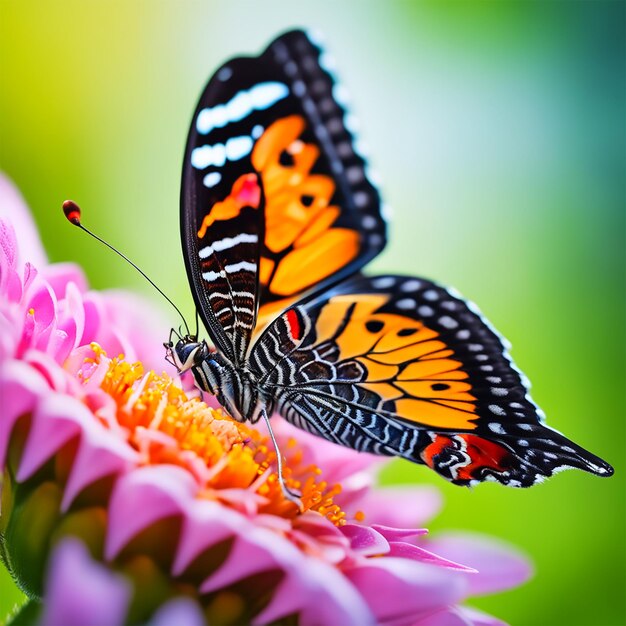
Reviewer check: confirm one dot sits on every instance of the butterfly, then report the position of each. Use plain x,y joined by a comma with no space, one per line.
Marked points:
279,215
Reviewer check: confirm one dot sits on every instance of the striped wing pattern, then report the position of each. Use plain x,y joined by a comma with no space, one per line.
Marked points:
229,259
401,366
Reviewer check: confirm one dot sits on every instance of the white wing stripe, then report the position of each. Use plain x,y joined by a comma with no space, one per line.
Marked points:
227,243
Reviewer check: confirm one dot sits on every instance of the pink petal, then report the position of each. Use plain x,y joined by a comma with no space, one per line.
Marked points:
310,588
10,282
143,497
70,321
58,379
499,565
411,589
409,551
364,540
253,552
450,616
56,420
100,453
8,342
398,534
206,524
82,592
42,305
8,244
20,389
14,209
140,327
399,507
316,591
478,618
60,275
94,317
178,612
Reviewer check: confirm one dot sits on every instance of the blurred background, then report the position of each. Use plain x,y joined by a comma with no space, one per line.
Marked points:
498,130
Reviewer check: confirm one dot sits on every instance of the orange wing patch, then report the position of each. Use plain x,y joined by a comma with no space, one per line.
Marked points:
298,213
245,192
406,362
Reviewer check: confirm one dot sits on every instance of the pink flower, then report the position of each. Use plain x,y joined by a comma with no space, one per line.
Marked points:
152,507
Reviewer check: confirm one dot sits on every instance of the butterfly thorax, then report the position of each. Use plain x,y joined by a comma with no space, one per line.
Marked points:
236,388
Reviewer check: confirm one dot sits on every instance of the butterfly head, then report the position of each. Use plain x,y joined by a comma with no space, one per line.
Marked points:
186,352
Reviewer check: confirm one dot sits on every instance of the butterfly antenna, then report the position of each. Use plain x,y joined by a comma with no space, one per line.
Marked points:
290,495
72,213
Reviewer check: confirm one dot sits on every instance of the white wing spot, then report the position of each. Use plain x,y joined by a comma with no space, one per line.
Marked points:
448,322
238,147
212,179
411,285
431,295
369,222
383,282
361,199
355,174
406,304
224,74
299,88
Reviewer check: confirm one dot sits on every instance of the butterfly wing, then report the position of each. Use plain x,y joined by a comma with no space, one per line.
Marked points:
401,366
276,201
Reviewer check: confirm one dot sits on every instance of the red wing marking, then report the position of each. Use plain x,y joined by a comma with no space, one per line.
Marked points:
245,192
295,329
479,453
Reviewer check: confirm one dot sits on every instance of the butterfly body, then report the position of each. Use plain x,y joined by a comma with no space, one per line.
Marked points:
278,217
236,387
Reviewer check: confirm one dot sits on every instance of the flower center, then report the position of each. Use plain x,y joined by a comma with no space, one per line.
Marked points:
223,455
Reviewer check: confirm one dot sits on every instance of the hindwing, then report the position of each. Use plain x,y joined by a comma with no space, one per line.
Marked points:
401,366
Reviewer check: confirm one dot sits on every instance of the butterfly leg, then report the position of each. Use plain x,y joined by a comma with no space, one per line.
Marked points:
290,495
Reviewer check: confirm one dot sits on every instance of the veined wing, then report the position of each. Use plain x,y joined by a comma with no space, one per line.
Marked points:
401,366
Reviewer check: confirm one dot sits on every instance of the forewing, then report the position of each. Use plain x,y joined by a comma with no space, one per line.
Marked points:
277,117
402,366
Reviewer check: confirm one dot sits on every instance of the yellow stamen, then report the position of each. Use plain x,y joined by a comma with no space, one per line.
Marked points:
168,427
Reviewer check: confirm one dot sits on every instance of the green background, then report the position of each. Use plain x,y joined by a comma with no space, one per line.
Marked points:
498,132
